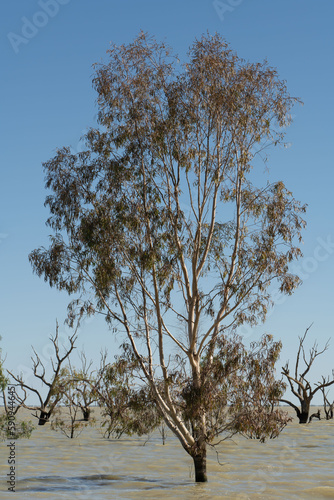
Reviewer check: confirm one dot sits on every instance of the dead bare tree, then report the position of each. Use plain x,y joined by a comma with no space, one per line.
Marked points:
299,385
328,407
54,386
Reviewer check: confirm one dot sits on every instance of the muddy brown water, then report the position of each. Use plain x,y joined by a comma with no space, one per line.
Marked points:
297,465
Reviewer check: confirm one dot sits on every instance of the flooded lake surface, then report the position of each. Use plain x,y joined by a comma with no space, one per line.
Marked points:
297,465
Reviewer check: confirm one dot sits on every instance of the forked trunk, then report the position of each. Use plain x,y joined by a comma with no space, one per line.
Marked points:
200,467
86,414
43,417
304,412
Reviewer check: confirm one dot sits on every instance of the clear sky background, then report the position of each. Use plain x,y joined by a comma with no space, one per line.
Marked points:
47,101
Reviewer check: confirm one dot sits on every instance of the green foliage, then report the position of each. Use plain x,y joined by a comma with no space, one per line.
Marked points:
238,391
127,409
76,390
16,430
80,386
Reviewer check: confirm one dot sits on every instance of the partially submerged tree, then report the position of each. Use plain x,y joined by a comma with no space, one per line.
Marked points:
238,391
68,418
300,386
81,384
53,384
160,224
328,407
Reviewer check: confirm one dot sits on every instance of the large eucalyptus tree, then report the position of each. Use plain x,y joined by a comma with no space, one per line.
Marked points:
165,223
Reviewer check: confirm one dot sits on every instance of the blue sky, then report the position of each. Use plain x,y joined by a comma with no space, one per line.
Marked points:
47,101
